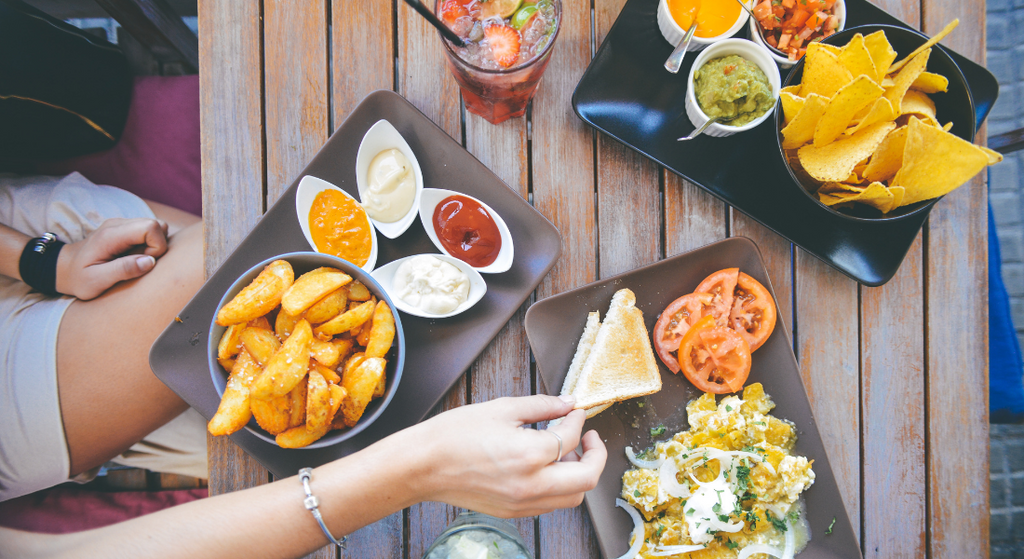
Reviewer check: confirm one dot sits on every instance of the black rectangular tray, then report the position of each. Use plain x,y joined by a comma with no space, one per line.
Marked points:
627,94
555,324
438,352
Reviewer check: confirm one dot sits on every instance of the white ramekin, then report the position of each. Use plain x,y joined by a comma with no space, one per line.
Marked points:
748,50
839,9
673,33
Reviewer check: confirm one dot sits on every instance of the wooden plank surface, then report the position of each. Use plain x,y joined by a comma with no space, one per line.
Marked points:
231,124
956,330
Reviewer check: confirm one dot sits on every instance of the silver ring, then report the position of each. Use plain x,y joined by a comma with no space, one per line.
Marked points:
559,455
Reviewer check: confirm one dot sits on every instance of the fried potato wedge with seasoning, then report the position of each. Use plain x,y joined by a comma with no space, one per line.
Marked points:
259,297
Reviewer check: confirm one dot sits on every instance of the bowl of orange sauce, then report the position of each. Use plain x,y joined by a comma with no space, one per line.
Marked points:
716,20
334,223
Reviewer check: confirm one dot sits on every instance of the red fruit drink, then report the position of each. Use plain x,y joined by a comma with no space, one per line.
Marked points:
508,46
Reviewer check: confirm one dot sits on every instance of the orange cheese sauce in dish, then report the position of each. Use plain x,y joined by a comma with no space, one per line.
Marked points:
714,17
339,226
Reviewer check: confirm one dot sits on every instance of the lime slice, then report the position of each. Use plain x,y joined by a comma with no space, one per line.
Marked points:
523,16
499,8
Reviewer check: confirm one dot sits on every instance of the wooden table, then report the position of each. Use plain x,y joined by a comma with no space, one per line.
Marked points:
898,375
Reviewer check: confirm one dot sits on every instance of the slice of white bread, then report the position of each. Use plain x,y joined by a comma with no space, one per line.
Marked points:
582,352
621,364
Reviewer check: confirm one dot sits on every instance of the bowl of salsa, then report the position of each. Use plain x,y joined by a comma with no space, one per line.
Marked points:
790,25
716,20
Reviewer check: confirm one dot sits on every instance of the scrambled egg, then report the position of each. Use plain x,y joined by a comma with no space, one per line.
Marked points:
720,498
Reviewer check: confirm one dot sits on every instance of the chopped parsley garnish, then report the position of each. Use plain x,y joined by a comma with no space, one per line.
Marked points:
636,493
793,516
731,544
660,530
639,404
759,423
658,431
751,517
779,523
754,450
691,511
722,434
717,507
723,517
496,546
829,531
728,408
742,477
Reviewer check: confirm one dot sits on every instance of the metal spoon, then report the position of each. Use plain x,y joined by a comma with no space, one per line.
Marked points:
762,30
675,60
705,126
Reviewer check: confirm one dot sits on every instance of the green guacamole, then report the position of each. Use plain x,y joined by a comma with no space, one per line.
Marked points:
732,86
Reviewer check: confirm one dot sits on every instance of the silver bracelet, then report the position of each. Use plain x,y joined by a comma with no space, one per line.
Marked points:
313,504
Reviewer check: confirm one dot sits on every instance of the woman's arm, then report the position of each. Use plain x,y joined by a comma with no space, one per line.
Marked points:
12,243
476,457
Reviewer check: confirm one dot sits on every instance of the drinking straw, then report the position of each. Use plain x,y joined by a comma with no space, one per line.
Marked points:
448,33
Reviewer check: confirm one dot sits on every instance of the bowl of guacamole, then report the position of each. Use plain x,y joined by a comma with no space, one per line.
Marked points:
736,80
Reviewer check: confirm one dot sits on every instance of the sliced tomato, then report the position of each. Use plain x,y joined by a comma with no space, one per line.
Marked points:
720,285
714,358
673,323
753,312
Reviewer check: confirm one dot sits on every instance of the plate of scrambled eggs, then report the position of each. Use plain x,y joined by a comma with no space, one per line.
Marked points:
782,462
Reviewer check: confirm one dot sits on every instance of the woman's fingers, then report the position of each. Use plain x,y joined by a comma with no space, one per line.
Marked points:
569,430
149,234
534,409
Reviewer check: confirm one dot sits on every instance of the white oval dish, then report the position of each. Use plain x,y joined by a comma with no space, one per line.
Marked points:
749,50
308,188
839,9
433,196
673,33
379,137
385,276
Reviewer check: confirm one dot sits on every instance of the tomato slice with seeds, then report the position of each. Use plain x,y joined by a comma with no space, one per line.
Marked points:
721,286
714,358
753,311
674,322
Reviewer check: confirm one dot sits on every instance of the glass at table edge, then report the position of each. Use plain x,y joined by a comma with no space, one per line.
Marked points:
541,56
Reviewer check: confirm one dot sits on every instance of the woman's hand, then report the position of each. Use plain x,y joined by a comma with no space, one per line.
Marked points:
482,458
119,250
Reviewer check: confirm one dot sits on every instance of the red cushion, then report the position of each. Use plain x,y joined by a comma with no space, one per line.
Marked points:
157,157
66,508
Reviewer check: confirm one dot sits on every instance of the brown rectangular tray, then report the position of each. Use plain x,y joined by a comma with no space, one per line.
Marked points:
554,327
438,352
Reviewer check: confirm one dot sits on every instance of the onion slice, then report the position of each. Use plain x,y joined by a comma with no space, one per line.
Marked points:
669,483
638,530
642,464
666,550
760,548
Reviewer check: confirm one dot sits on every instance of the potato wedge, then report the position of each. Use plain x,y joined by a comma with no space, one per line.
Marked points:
358,292
326,353
382,331
233,412
273,415
298,437
227,364
344,346
338,395
360,384
333,304
347,320
260,322
353,362
259,297
311,287
287,367
318,401
381,388
261,343
298,404
330,375
231,342
363,334
284,324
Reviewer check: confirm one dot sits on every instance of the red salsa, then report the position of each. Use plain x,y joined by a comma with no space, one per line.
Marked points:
467,231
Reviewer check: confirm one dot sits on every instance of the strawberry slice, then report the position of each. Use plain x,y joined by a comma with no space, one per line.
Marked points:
505,43
452,10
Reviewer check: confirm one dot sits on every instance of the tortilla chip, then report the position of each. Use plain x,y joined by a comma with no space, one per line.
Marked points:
832,48
920,105
887,82
880,111
801,129
928,82
888,157
875,194
927,46
903,80
835,161
848,101
831,200
823,74
791,89
898,192
882,53
949,126
791,105
857,58
936,162
836,188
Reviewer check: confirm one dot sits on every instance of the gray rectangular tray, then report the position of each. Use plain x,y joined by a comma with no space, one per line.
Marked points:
555,324
438,351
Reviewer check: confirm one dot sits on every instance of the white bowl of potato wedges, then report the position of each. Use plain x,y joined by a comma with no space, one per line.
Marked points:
305,351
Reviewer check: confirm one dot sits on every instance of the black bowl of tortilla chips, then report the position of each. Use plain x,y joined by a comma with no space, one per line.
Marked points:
865,141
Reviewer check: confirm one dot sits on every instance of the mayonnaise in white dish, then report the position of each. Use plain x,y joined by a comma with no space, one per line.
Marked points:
390,186
430,284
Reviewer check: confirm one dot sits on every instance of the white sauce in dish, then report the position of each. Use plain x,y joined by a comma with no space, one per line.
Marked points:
431,284
390,186
701,515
